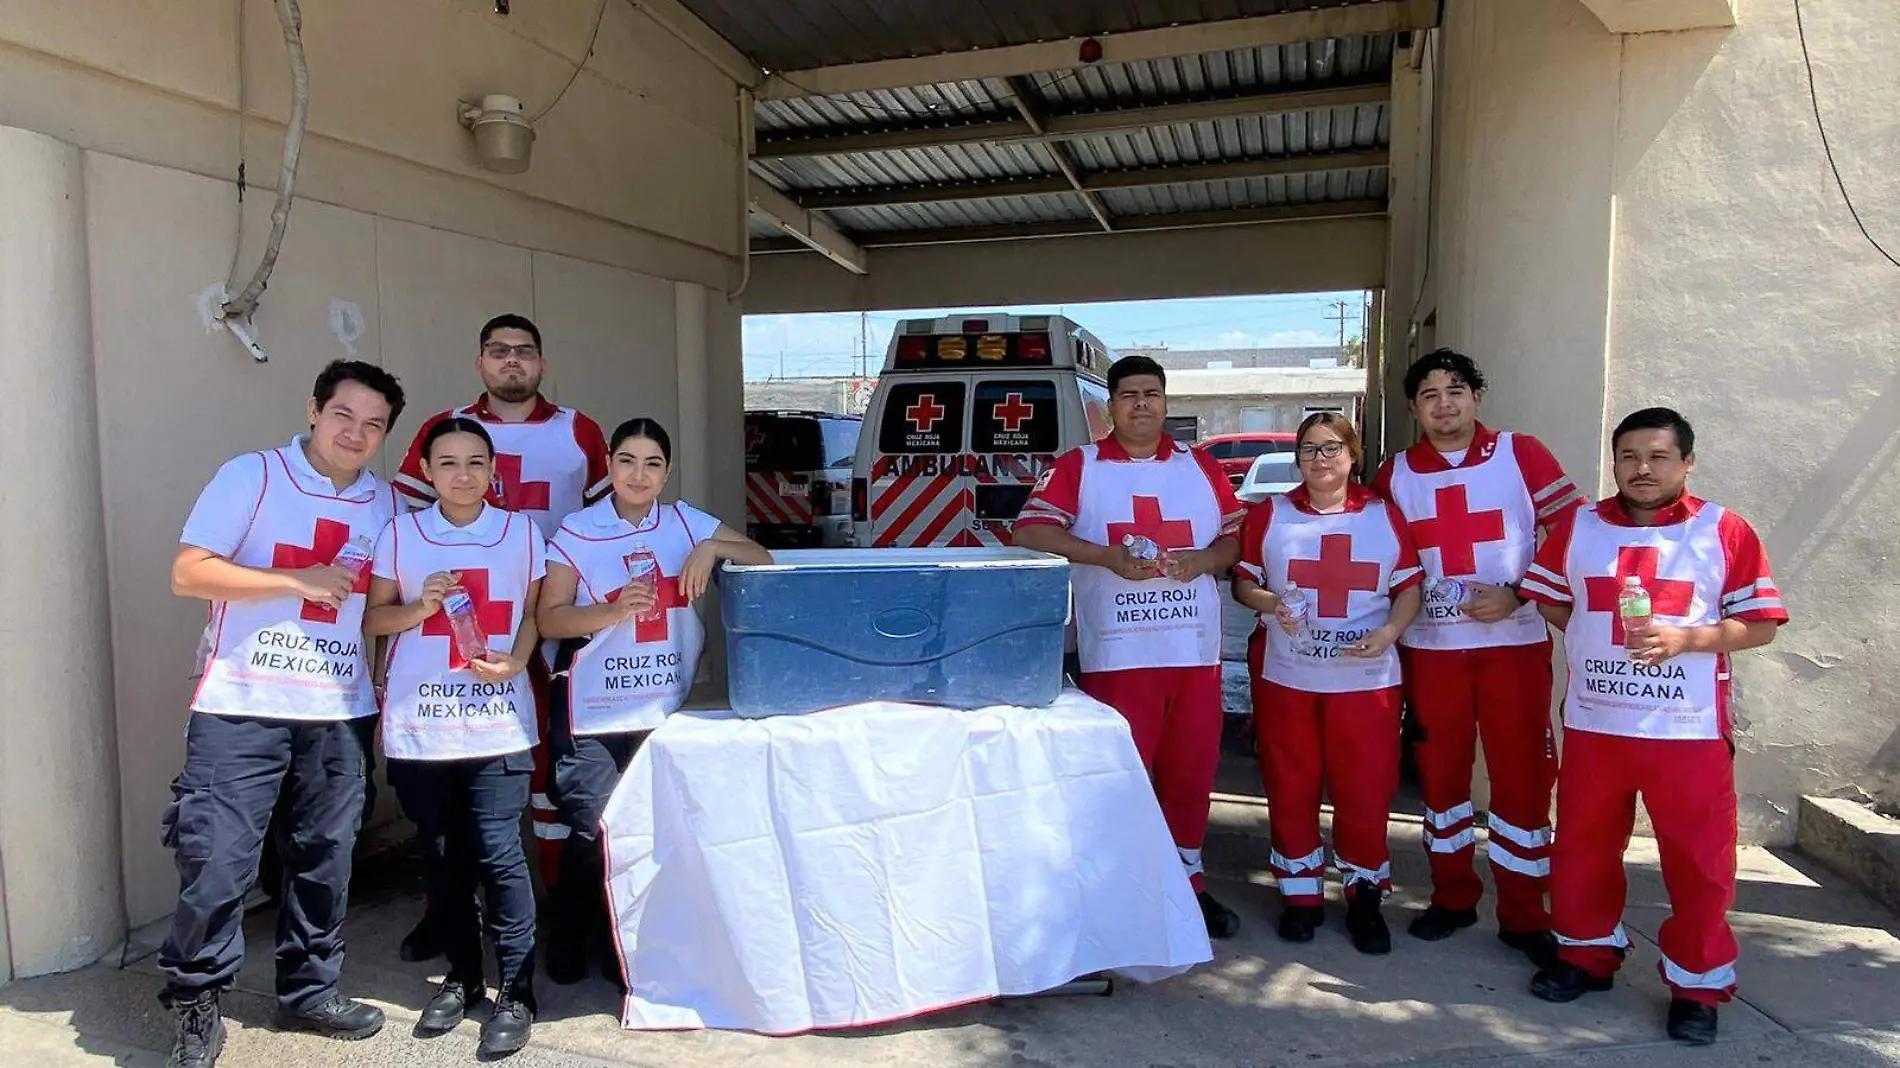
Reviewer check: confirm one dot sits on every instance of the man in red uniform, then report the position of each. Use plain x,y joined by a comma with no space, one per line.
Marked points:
1477,658
550,462
1149,524
1654,589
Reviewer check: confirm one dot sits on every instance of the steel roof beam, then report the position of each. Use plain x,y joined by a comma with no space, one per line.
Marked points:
1071,127
1124,224
807,229
1023,97
1089,183
1292,27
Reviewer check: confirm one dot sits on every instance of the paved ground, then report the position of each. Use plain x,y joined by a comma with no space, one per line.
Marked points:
1821,974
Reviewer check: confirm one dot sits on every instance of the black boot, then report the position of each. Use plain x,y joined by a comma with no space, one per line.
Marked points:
200,1030
1539,946
1565,981
1692,1022
1221,921
1438,923
450,1004
1298,922
335,1017
420,943
508,1027
1364,922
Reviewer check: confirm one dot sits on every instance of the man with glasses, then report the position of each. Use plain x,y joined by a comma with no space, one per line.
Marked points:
1477,658
550,462
1149,523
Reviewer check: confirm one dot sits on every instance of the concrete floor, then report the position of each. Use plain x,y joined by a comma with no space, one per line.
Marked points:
1819,978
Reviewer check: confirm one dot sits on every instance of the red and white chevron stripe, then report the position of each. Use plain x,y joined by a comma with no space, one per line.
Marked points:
770,500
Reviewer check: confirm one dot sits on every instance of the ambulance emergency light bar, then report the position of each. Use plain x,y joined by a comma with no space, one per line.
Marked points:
996,341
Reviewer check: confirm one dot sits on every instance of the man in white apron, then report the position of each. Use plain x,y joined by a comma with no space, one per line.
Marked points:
278,545
1148,630
550,462
1646,712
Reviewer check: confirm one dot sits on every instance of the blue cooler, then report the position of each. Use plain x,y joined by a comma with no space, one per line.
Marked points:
818,628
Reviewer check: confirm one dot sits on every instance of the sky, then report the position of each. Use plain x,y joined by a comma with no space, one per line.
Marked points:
804,346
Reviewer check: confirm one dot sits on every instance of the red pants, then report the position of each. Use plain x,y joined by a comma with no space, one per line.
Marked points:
1345,745
549,831
1503,696
1688,788
1175,716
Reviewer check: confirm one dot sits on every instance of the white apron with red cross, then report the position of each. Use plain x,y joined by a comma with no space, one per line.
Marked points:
1475,523
1682,565
436,708
1155,622
1343,562
635,673
284,657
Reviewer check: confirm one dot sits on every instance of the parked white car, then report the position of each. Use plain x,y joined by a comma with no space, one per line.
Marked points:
1271,473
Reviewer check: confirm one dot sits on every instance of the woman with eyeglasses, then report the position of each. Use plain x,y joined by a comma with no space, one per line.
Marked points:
1333,574
623,577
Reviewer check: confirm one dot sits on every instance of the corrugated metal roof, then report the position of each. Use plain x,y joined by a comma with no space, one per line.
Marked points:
1000,211
796,34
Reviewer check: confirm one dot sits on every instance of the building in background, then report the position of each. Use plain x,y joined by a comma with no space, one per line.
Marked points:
1202,403
839,396
1303,356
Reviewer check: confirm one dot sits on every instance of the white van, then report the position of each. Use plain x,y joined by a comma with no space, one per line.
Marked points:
968,413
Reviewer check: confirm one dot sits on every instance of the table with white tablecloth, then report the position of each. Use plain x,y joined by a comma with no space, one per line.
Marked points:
881,860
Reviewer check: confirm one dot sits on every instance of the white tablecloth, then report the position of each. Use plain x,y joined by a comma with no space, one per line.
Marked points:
874,862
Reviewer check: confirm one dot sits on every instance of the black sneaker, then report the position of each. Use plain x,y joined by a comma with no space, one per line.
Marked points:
450,1004
1539,946
1438,923
420,943
1691,1022
199,1034
1298,922
336,1017
507,1029
1366,925
1222,922
1565,981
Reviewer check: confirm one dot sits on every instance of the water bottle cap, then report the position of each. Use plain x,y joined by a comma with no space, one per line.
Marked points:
1632,580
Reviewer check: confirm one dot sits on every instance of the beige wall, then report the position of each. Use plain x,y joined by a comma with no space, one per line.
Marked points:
629,215
1630,220
1290,257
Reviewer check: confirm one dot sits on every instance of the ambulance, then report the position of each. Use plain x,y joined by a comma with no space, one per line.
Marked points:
968,413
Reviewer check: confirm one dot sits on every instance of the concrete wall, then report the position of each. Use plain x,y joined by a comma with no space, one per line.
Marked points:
1619,221
1292,257
398,248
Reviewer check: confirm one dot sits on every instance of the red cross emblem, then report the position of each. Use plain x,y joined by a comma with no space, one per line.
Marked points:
1335,575
506,490
1667,597
325,541
1012,413
668,590
497,617
1165,533
1456,531
925,413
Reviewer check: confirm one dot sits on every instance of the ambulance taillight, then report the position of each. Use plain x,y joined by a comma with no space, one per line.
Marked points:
976,326
860,501
1033,348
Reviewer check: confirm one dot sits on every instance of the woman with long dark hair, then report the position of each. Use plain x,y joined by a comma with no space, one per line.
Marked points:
623,577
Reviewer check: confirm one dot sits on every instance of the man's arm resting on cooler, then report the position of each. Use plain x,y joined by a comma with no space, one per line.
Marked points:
207,576
1049,538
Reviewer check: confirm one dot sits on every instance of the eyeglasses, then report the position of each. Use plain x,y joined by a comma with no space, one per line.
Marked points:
1329,450
495,350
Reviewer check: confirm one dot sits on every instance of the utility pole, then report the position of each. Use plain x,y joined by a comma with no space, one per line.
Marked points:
864,343
1339,312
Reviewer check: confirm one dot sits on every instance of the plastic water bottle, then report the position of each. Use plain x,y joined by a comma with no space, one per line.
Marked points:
1295,601
355,556
1632,607
643,567
1141,547
1447,590
465,626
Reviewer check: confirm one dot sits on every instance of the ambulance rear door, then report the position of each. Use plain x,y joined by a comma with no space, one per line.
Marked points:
916,491
1017,423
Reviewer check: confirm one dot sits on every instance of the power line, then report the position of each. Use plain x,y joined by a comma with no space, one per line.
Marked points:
1814,98
600,16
